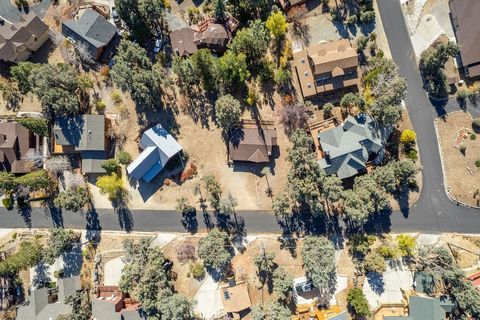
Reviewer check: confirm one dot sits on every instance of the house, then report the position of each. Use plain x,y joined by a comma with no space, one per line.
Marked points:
91,30
347,148
110,303
187,40
252,142
311,312
422,308
325,68
466,25
84,136
475,280
19,40
236,299
47,303
158,148
16,144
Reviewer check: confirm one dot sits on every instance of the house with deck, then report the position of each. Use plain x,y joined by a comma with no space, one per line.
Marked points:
17,144
327,68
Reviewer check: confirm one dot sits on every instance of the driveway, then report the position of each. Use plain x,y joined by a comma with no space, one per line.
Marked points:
208,301
11,13
112,271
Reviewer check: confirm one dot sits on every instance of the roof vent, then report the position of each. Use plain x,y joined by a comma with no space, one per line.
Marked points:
306,74
309,85
302,60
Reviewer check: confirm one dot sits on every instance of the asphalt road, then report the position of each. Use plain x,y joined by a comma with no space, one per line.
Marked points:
433,213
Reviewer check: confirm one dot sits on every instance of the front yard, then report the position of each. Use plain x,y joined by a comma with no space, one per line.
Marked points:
462,176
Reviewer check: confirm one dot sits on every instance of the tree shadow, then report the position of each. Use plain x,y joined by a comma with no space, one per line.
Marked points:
25,210
199,108
439,105
189,221
289,243
378,222
41,275
92,226
124,214
301,31
376,282
55,214
72,261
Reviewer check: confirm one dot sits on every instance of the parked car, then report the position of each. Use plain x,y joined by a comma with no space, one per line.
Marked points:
115,16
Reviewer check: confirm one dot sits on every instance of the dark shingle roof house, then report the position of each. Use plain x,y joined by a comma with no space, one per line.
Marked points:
92,30
464,14
158,148
20,39
16,143
327,67
422,308
348,147
252,144
48,304
85,135
110,303
188,40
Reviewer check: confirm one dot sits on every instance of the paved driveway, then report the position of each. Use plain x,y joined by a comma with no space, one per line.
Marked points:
11,13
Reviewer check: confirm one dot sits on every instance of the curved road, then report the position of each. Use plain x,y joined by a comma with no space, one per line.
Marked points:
433,213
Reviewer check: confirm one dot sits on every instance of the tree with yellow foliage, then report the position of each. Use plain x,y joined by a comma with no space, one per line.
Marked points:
277,25
408,136
112,186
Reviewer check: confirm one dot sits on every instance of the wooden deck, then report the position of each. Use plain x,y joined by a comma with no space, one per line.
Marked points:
317,126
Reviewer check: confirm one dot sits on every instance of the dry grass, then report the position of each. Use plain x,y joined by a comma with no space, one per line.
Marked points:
465,258
462,176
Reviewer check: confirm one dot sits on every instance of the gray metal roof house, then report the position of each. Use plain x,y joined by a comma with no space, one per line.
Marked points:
92,30
47,304
422,308
158,148
85,135
348,147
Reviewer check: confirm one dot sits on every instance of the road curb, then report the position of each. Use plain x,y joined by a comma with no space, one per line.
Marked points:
445,181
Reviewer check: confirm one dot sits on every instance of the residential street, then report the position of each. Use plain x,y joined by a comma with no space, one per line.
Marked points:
433,213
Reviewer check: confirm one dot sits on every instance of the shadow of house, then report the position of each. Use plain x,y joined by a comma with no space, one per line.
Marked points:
46,303
16,144
19,40
158,148
110,303
346,149
82,136
92,31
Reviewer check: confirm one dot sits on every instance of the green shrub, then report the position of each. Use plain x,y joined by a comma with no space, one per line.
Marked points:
7,202
116,97
197,270
327,110
477,163
37,126
100,106
351,20
124,158
14,235
412,155
473,136
367,16
110,165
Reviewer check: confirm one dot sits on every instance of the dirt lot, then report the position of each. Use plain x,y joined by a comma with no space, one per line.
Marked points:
463,248
462,176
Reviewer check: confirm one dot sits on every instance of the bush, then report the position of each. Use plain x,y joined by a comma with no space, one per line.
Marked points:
374,262
7,202
357,303
37,126
100,106
406,244
362,42
188,173
388,252
327,110
124,158
476,124
367,16
116,97
463,148
351,20
197,270
408,136
477,164
412,155
473,136
110,165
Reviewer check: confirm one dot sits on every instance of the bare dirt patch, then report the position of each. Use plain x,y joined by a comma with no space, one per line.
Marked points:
462,176
463,249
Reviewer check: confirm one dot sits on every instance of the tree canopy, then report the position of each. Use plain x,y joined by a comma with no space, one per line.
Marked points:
228,112
60,241
215,250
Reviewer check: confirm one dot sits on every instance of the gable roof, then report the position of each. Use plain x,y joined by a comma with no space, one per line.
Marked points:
251,144
467,31
348,147
93,28
187,40
12,36
39,307
235,297
182,41
215,36
84,133
422,308
14,146
158,148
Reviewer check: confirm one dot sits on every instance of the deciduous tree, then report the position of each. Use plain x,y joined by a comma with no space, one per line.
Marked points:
73,199
58,164
232,71
277,25
228,112
293,117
